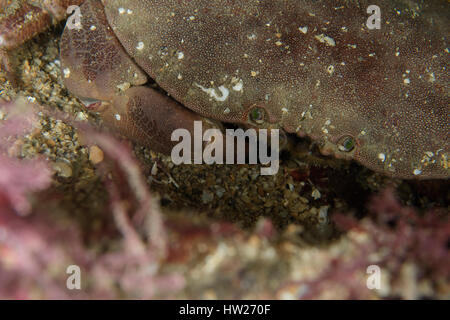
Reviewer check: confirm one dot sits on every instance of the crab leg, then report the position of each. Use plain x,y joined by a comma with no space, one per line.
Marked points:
21,21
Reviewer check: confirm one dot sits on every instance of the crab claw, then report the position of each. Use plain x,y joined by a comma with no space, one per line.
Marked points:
97,69
148,118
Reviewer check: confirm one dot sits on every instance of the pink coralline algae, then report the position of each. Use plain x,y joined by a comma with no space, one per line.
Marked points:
396,236
19,177
37,246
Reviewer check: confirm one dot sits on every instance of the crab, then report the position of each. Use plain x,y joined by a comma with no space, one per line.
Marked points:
311,68
21,20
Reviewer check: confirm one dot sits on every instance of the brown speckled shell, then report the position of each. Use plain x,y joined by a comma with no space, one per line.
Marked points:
314,66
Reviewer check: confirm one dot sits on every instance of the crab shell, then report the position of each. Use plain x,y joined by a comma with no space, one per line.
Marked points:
311,67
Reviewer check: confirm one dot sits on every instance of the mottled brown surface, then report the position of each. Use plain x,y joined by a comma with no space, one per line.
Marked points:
313,66
97,62
20,20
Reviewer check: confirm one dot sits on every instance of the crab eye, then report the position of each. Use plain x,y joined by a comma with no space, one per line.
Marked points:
257,115
347,144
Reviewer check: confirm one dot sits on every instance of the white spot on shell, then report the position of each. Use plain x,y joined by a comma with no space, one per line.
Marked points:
117,116
122,10
124,86
330,69
303,30
66,72
140,46
382,157
239,85
416,172
180,55
213,94
326,39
